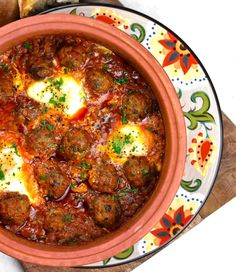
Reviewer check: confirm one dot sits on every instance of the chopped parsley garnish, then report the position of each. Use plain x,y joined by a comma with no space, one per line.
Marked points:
85,165
62,99
14,146
121,81
43,122
72,186
117,146
4,66
47,126
50,127
27,45
83,176
123,118
2,176
61,149
67,218
49,135
145,172
119,143
127,139
52,101
53,145
149,129
43,177
113,197
104,67
128,190
57,83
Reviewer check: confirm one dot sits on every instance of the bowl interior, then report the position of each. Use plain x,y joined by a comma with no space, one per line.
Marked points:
174,160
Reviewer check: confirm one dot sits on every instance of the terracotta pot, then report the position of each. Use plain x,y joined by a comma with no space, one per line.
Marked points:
175,152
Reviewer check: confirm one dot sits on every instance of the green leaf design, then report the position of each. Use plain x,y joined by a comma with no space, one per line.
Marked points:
125,254
179,93
73,11
191,185
201,115
140,29
106,261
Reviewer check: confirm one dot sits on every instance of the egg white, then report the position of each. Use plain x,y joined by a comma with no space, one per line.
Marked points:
67,96
13,178
128,140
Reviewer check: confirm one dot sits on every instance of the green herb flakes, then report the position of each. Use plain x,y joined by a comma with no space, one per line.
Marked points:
128,190
104,67
118,143
145,172
47,126
85,165
43,177
83,176
62,99
2,176
121,81
4,67
27,45
67,218
123,118
72,186
14,146
50,127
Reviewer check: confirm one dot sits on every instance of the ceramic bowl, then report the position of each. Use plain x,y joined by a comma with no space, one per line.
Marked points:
175,152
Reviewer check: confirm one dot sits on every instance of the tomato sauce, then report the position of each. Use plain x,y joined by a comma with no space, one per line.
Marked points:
91,170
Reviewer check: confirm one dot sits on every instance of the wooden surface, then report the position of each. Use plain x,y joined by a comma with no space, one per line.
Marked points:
223,191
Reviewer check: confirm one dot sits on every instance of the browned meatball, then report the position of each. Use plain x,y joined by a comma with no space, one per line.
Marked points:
103,178
138,171
75,144
135,106
51,179
56,219
98,82
42,141
26,110
6,87
14,208
107,210
41,68
72,57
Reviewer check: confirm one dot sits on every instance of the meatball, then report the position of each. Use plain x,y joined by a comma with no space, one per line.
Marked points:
103,178
107,210
98,82
75,144
6,87
72,57
41,68
66,225
14,208
51,179
42,141
155,124
56,218
26,110
138,171
135,106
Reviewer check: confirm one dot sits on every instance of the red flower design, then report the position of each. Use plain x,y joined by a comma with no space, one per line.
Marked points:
178,52
171,226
